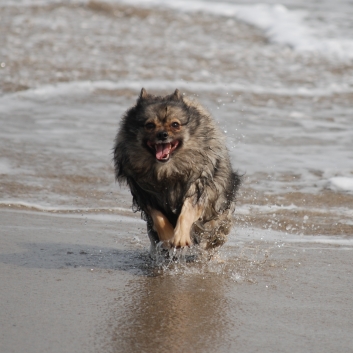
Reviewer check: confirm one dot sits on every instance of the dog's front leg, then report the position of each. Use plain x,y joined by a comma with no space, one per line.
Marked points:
162,226
188,215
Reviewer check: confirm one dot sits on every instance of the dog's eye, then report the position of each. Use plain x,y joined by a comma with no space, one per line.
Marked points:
175,125
150,126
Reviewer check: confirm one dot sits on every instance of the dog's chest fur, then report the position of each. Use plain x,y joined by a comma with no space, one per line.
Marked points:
166,195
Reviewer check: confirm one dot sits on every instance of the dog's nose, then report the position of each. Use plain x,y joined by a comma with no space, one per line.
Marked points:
162,135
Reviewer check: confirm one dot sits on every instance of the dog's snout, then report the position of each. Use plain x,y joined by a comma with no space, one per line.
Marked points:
162,135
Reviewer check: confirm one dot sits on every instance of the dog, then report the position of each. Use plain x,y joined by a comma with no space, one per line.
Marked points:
171,154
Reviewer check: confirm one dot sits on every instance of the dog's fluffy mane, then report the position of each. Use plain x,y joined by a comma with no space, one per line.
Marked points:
200,169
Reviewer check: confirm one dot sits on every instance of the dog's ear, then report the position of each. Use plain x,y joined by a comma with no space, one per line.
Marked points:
176,95
143,94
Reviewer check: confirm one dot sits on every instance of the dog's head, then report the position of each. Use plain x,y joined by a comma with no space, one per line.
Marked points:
161,124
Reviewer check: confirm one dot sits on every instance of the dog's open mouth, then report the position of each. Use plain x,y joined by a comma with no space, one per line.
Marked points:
163,150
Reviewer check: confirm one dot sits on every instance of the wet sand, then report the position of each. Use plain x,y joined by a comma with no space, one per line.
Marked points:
85,283
74,267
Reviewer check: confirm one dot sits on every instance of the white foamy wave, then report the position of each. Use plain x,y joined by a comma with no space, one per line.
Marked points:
280,25
84,87
244,235
5,166
270,209
46,208
38,2
341,184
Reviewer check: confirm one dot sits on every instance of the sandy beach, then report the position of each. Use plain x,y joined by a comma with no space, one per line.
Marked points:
75,271
76,285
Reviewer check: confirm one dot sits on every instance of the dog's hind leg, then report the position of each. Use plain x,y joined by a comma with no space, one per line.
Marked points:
152,234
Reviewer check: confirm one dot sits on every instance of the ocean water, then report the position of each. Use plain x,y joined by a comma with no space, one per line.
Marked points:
277,77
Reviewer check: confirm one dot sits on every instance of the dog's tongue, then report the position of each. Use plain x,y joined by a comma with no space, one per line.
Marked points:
162,150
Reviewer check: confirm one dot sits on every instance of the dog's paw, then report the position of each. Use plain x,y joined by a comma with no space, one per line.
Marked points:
181,240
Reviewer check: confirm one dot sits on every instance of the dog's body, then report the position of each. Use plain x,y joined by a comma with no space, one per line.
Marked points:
173,157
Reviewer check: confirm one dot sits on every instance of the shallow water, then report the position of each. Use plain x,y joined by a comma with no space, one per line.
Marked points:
70,70
277,78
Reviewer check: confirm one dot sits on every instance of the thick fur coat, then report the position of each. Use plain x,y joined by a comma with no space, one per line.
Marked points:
173,157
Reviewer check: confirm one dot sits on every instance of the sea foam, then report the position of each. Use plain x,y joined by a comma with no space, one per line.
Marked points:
341,183
84,87
279,24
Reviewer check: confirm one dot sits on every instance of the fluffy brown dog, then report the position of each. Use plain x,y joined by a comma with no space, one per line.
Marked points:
173,157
